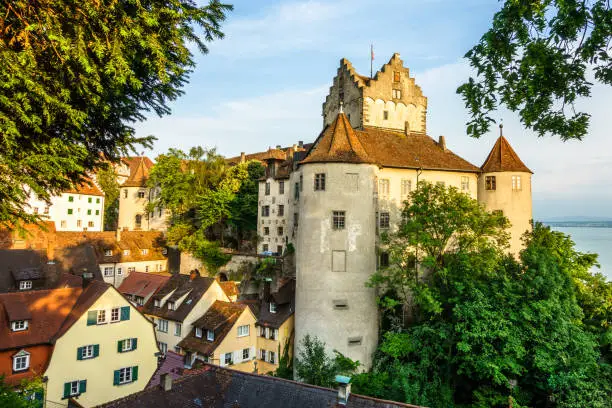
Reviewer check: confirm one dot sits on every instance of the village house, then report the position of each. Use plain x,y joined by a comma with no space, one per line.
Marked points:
178,304
138,287
78,209
224,335
87,343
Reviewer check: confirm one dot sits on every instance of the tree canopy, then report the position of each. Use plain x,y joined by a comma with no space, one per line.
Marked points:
485,328
76,75
205,198
314,366
536,59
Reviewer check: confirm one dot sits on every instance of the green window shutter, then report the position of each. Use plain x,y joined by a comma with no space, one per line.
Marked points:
89,199
120,346
97,201
92,317
116,377
97,212
80,353
134,343
82,386
66,390
88,212
125,313
134,373
96,350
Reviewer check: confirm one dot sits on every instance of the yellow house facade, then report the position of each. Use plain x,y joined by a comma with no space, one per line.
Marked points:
108,352
271,345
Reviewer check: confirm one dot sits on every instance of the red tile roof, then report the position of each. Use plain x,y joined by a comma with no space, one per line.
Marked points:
230,288
48,310
338,143
142,284
388,148
139,172
503,158
87,187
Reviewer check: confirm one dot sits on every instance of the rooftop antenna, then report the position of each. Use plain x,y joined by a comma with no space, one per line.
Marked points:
341,107
501,127
371,60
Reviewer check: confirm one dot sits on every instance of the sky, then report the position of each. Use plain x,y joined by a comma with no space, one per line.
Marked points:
264,83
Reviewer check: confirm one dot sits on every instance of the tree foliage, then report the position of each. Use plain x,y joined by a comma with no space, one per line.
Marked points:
107,178
489,328
28,394
535,59
314,366
200,192
76,75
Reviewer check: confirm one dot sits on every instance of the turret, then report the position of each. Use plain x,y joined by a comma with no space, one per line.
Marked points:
505,185
335,253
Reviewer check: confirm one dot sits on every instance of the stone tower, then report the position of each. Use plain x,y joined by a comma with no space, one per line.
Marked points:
336,244
505,185
390,100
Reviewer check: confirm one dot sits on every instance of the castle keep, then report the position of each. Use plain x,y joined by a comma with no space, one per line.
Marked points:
331,200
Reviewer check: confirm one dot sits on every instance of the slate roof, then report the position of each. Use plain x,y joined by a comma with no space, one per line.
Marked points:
338,143
172,364
180,285
503,158
13,261
220,317
285,306
217,387
387,148
142,284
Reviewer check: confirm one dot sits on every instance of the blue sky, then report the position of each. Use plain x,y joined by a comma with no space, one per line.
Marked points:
264,84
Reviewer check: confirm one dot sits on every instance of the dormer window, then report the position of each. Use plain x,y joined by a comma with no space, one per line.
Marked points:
272,307
144,251
156,303
198,332
21,361
25,285
171,306
126,252
108,252
210,335
19,325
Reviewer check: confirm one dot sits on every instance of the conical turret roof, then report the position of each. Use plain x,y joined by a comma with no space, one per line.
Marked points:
338,143
138,177
503,158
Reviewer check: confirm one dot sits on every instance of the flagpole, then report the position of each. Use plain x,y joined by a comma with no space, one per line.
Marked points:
371,59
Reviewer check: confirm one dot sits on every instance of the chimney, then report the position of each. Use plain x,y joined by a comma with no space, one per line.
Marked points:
242,157
294,148
344,389
194,274
86,277
301,144
165,380
442,142
406,128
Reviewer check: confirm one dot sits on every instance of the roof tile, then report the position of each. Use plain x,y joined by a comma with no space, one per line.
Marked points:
503,158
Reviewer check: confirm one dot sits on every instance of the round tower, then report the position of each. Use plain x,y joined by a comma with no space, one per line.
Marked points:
505,185
335,252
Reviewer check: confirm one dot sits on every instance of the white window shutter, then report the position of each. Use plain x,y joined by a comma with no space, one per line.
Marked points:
222,359
237,356
252,354
275,334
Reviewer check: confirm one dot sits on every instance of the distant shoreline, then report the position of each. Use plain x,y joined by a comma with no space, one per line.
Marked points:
579,224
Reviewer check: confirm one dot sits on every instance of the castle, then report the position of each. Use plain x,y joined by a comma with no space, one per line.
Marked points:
332,199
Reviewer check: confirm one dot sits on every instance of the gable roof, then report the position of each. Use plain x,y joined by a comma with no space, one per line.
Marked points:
47,310
503,158
384,147
338,143
220,318
285,306
142,284
179,285
213,386
139,172
172,363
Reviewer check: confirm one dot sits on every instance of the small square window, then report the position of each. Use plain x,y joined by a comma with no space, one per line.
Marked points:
126,345
384,187
69,211
198,332
144,251
19,325
243,330
115,315
21,362
384,259
272,307
227,359
70,199
385,115
383,220
465,183
338,220
108,252
406,187
281,210
265,247
246,353
397,94
319,182
101,317
490,183
266,231
108,271
141,194
516,183
281,187
396,76
25,285
88,351
210,335
265,211
125,375
280,231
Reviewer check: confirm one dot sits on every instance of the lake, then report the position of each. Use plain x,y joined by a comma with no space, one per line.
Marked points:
591,239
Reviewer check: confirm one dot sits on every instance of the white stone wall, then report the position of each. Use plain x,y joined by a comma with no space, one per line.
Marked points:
87,211
273,240
349,188
131,205
515,204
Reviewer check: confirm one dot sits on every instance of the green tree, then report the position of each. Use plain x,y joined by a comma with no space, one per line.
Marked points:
243,208
314,366
535,59
285,362
76,75
28,395
489,328
107,178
